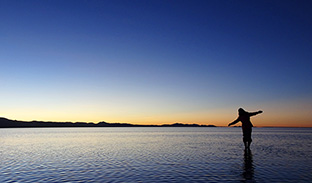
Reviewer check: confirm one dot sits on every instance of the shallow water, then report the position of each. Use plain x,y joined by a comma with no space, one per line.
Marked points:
154,154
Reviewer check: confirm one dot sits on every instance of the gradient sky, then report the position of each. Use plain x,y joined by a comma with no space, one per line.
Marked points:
155,62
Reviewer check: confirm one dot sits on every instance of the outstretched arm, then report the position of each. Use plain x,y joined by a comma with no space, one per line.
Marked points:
254,113
234,122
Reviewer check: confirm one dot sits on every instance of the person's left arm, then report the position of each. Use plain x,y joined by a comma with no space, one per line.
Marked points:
255,113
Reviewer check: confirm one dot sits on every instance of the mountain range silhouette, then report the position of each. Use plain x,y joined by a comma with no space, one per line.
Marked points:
7,123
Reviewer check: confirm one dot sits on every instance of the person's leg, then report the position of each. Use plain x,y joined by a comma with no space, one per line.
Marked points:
248,144
247,138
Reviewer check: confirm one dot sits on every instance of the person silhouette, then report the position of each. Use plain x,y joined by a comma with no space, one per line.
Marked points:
244,117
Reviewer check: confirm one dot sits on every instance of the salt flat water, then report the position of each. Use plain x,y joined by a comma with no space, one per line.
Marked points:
154,154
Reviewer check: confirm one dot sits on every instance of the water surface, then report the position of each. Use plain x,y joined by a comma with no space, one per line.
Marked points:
154,154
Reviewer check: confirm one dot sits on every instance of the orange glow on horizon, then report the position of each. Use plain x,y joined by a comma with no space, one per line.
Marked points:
217,121
279,114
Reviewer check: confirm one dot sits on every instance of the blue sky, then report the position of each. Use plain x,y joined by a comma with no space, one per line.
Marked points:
156,61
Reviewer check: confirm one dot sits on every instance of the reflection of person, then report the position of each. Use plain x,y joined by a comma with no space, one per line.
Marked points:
248,168
244,117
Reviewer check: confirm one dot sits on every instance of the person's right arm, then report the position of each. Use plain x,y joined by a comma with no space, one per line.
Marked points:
234,122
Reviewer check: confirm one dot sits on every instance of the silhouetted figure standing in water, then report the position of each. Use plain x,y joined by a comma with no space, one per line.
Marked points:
244,117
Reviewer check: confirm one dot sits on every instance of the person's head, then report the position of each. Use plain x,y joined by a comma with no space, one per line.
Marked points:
241,111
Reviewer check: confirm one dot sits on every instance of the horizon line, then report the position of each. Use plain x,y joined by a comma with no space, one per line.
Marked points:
155,124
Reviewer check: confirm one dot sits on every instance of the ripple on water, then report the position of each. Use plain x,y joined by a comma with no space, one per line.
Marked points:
153,155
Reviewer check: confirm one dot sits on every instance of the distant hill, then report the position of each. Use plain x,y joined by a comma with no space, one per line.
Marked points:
7,123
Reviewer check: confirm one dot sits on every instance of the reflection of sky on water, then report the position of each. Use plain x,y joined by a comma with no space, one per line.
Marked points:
154,154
